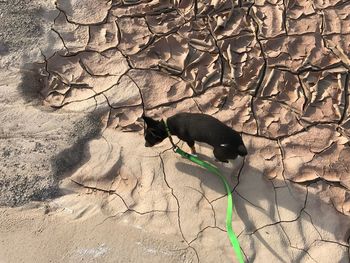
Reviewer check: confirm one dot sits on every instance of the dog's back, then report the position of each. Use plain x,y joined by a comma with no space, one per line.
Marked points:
205,128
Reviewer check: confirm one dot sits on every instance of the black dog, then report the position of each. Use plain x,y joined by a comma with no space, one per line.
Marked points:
191,127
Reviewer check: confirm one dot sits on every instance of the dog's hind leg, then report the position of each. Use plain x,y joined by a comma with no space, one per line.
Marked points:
220,154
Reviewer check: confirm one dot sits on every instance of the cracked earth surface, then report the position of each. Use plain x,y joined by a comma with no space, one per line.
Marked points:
276,70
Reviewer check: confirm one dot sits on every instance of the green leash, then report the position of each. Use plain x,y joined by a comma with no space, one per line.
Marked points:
213,169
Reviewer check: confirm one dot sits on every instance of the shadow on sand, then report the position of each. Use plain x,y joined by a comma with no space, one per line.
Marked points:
281,201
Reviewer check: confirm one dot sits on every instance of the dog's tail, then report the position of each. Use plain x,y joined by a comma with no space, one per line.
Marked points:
242,151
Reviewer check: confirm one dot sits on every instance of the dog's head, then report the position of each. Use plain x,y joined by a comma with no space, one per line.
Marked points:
155,131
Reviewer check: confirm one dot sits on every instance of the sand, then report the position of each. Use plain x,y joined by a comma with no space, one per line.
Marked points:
77,183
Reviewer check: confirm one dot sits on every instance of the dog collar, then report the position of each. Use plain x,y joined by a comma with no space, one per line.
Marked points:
166,128
169,135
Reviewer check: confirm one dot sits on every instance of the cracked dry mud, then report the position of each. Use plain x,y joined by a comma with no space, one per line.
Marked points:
276,70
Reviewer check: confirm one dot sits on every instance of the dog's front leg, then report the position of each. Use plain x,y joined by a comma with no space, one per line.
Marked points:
191,144
193,150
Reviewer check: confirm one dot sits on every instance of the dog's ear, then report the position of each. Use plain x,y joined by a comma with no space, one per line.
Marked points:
242,151
149,121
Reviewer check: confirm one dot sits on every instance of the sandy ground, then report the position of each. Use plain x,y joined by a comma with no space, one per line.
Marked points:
76,182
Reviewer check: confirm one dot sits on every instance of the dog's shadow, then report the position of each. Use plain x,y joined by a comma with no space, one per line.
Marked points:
280,203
